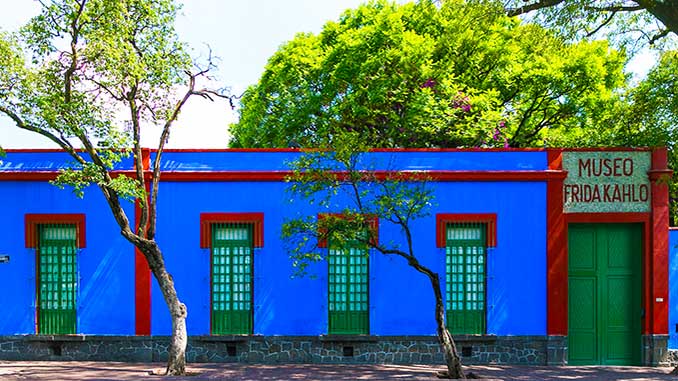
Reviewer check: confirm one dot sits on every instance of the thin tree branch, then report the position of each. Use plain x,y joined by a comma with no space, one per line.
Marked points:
659,36
532,7
615,8
155,180
599,27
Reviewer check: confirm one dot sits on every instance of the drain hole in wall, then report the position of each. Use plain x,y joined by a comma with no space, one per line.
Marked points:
348,351
467,351
55,349
230,349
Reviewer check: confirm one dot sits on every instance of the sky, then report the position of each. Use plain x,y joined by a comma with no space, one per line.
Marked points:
242,34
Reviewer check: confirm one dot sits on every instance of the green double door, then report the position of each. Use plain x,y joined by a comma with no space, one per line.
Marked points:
605,311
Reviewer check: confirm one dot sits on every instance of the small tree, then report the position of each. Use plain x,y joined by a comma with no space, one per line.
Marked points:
93,61
397,198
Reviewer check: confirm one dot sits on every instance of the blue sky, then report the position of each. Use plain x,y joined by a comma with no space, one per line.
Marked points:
243,34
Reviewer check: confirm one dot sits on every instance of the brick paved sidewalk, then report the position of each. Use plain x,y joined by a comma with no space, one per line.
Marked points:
11,371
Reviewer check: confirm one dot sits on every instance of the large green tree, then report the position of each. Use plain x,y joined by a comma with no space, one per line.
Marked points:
78,68
428,75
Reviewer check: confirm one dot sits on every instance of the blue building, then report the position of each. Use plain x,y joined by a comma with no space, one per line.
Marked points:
548,257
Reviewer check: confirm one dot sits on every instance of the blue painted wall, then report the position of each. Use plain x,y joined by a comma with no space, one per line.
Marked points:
401,299
402,160
673,288
106,265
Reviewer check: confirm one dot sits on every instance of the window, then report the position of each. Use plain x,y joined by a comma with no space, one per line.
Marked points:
57,278
56,239
231,274
465,277
231,238
348,289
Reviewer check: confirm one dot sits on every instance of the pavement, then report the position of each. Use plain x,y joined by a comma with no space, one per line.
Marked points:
51,370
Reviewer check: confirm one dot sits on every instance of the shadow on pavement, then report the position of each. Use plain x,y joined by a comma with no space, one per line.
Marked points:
67,371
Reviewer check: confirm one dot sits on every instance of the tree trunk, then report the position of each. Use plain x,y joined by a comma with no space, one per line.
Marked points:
452,359
176,362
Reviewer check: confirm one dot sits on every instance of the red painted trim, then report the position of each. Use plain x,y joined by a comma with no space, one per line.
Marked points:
142,272
612,149
226,176
660,174
196,176
47,175
226,150
660,245
142,286
379,175
207,219
556,250
373,221
442,219
470,149
31,222
509,149
606,218
38,150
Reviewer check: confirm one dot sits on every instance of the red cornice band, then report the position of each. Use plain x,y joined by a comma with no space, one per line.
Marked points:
489,219
32,221
207,219
270,176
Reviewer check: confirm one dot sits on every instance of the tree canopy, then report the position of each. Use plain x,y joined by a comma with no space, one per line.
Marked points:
627,21
73,74
427,75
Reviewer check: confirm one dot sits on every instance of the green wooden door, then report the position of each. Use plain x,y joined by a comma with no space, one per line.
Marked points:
57,279
465,279
231,279
605,287
348,290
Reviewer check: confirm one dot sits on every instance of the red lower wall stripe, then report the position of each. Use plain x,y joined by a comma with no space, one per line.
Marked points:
142,287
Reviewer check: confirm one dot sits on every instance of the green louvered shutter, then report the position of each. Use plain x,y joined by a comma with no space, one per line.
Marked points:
231,279
57,279
348,290
465,279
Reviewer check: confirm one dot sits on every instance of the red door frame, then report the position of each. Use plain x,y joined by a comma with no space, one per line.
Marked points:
655,247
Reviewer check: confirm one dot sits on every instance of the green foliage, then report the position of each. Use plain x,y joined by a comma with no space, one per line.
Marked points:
72,71
421,75
629,24
646,116
350,193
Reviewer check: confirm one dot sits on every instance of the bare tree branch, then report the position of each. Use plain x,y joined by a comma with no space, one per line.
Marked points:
615,8
605,22
532,7
63,143
659,36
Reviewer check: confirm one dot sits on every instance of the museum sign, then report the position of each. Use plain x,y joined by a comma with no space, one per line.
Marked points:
606,181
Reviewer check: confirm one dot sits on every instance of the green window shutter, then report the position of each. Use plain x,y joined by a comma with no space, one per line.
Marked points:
231,279
465,278
57,279
348,290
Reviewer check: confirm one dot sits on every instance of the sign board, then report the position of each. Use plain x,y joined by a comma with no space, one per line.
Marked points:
606,181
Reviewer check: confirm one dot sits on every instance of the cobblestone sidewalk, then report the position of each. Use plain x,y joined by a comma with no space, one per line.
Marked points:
11,371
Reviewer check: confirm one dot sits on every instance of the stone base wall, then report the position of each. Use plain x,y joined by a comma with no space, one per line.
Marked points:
655,351
532,350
